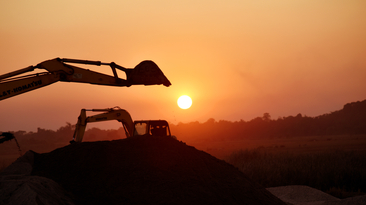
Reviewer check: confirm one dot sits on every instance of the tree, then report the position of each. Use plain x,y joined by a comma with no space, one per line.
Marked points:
266,117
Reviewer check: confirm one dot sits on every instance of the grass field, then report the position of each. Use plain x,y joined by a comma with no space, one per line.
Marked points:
340,173
333,164
306,144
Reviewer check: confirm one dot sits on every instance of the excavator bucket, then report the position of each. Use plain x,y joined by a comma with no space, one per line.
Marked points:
147,73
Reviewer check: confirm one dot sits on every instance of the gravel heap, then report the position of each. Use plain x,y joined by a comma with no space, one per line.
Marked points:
146,170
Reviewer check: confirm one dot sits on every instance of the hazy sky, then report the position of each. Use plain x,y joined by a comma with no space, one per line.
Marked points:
236,59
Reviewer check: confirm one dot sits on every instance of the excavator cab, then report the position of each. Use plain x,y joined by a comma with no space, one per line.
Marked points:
152,128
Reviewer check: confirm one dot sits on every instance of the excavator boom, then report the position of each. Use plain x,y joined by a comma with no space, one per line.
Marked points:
10,88
59,69
115,113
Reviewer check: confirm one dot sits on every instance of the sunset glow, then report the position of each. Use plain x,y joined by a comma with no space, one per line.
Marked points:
236,59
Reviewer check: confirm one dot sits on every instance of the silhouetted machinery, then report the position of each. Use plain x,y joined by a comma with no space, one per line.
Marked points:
7,136
137,128
59,69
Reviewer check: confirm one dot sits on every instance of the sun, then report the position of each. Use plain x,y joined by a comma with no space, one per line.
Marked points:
184,102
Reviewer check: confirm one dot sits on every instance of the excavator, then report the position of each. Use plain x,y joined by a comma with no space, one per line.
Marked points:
137,128
7,136
59,69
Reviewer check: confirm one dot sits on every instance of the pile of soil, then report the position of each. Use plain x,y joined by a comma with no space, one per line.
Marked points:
147,170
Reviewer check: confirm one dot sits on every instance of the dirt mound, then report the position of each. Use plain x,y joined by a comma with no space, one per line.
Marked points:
147,170
17,186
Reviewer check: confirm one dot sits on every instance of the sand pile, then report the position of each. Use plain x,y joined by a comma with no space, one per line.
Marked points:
305,195
146,170
302,195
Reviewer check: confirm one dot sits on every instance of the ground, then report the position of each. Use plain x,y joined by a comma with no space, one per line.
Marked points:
142,170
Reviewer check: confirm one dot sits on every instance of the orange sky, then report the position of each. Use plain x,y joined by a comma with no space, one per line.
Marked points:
236,59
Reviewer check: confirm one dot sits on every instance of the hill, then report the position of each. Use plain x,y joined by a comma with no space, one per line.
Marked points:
145,170
348,121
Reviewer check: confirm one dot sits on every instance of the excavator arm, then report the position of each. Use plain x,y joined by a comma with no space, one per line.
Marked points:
59,69
115,113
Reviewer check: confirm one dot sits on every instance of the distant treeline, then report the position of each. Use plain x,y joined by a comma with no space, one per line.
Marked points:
351,120
47,140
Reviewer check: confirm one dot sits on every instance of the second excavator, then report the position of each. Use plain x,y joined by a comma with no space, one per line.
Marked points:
132,128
